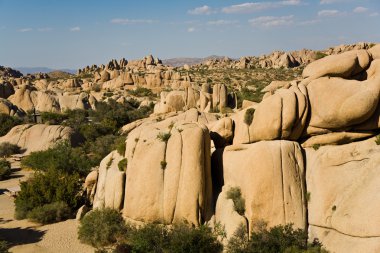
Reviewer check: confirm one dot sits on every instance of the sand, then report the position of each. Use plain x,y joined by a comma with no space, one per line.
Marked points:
28,237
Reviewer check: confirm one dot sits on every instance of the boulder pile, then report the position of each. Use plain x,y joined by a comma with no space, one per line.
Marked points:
282,154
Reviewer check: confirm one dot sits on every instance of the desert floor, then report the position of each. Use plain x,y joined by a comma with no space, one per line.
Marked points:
28,237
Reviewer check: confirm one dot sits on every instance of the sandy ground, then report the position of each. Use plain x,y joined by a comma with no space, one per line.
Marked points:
29,237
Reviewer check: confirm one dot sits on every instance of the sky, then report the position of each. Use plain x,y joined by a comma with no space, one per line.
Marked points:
76,33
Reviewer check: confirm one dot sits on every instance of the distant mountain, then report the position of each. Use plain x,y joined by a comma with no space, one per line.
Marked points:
180,61
31,70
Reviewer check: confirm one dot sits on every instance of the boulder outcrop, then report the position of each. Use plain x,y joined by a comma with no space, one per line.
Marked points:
173,183
38,137
343,182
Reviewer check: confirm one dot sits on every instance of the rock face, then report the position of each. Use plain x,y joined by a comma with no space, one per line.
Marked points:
261,150
271,178
173,183
110,183
38,137
343,182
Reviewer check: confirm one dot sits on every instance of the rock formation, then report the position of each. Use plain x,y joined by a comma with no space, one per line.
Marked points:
38,137
329,190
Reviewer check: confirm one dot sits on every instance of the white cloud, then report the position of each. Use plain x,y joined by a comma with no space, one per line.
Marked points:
44,29
360,9
247,7
23,30
270,21
258,6
329,13
375,14
75,29
334,1
126,21
222,22
191,29
291,2
309,22
203,10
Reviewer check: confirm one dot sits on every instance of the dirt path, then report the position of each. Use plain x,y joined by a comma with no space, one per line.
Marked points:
29,237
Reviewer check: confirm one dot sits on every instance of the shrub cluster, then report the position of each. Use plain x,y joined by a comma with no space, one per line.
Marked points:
38,196
50,213
5,169
4,247
278,239
7,149
105,228
62,157
234,193
7,122
248,116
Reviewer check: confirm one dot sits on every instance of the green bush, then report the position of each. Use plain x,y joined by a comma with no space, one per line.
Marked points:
377,140
119,145
278,239
183,239
61,157
53,118
4,247
141,92
7,149
319,55
164,137
101,228
7,123
50,213
148,238
123,164
5,169
46,188
234,193
248,116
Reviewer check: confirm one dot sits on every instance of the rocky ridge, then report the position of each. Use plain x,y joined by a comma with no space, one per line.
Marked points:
306,154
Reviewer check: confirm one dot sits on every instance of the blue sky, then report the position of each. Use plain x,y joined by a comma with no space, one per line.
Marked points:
72,34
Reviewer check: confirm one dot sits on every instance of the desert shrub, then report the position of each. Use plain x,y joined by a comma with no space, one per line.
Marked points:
164,137
141,92
148,238
119,145
96,87
248,116
5,169
278,239
319,55
4,247
377,140
7,122
46,188
61,157
53,118
234,193
163,164
101,228
251,95
122,165
50,213
183,239
7,149
239,242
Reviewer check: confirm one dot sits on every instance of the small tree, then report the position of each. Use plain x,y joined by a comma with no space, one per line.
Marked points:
101,228
5,169
7,149
234,193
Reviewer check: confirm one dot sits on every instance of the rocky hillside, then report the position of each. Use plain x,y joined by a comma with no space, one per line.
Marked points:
305,155
292,136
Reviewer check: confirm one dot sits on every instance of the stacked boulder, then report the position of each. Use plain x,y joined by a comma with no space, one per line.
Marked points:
281,155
